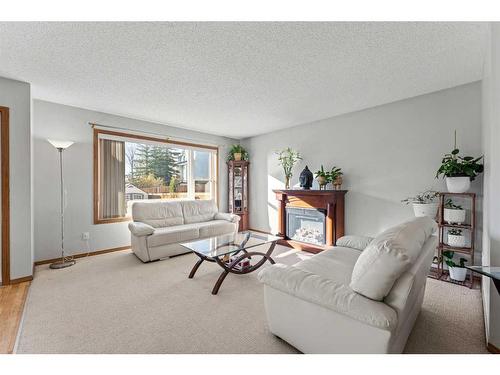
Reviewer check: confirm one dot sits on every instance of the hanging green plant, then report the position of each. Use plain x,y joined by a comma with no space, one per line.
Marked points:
454,165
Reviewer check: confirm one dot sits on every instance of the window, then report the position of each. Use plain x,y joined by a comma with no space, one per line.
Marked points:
130,168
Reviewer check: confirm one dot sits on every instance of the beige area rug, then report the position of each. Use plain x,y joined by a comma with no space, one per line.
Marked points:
113,303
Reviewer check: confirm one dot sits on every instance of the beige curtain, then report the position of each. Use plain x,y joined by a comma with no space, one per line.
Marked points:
112,179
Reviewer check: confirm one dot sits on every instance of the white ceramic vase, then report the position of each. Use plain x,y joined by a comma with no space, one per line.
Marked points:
457,184
454,216
425,209
458,273
456,241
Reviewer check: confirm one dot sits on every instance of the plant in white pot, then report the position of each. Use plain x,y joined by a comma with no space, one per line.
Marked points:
459,171
456,238
424,204
453,213
458,272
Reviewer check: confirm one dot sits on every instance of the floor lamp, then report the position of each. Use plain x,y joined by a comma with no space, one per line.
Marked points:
65,261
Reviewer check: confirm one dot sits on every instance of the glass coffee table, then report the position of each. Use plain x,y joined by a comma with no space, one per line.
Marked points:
233,252
491,272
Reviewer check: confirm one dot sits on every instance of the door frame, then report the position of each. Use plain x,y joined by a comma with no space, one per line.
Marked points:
5,194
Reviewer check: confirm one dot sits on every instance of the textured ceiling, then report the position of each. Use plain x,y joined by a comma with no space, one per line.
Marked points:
238,79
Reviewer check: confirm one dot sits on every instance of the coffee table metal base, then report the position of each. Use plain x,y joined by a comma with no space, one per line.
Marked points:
231,267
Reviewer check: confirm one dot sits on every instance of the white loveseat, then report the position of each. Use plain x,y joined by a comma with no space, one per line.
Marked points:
159,227
364,298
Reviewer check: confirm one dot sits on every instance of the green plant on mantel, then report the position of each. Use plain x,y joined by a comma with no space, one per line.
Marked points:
329,176
335,173
287,158
321,173
324,177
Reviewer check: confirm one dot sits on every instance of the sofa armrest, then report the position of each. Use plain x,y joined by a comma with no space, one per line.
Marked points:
140,229
229,217
329,294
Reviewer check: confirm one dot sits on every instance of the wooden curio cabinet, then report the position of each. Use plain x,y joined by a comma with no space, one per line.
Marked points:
238,190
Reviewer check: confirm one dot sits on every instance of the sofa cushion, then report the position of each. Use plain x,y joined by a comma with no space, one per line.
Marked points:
198,210
216,228
175,234
334,264
158,214
354,242
389,255
407,287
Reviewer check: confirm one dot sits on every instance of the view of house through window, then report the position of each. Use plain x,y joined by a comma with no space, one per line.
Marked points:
133,169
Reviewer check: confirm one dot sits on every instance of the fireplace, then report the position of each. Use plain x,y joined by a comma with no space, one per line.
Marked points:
310,220
306,225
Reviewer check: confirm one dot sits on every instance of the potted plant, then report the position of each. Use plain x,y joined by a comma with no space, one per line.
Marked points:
237,152
287,159
453,213
458,272
424,204
336,177
323,178
456,238
459,171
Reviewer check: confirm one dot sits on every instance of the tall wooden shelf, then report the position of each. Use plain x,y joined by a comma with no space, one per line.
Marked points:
470,227
238,190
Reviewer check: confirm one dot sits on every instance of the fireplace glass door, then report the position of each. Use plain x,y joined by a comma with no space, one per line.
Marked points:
306,225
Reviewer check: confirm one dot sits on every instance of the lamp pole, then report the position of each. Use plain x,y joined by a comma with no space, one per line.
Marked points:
64,261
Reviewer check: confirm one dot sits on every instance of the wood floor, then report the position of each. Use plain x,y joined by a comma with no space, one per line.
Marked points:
12,298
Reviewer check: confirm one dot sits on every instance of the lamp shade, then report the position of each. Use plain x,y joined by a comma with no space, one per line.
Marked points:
60,144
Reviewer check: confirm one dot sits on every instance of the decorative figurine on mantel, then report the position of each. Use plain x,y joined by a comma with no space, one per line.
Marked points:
306,178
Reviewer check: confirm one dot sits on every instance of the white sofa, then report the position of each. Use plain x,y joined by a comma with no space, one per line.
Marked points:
159,227
364,298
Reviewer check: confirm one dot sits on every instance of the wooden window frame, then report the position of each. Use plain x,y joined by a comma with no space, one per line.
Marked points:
98,131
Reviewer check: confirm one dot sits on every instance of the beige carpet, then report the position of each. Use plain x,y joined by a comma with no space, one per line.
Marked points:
451,321
113,303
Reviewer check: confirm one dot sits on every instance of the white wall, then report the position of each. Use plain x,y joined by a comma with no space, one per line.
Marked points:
491,145
57,121
17,96
387,153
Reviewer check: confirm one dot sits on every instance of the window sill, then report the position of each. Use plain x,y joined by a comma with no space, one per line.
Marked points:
112,220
